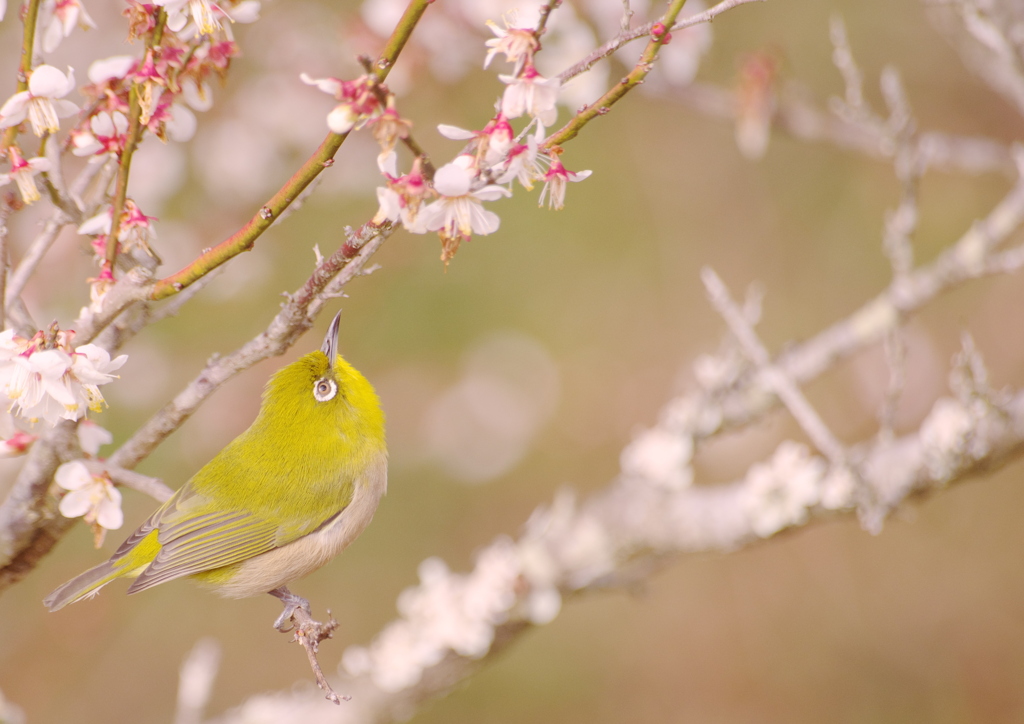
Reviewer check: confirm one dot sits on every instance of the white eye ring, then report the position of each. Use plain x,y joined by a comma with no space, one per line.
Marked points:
324,390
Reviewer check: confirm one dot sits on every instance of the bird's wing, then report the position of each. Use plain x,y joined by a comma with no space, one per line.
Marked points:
193,539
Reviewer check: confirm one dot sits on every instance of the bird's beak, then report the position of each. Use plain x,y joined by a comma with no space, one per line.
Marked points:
330,345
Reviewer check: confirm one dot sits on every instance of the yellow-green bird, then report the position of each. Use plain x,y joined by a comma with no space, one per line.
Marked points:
278,502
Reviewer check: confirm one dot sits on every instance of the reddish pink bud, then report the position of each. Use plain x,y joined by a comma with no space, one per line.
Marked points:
660,32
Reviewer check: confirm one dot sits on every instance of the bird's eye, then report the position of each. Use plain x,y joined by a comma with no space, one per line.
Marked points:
324,390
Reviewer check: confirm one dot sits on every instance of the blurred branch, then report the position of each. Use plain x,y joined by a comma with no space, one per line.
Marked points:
973,256
988,40
779,383
800,118
153,487
614,537
453,624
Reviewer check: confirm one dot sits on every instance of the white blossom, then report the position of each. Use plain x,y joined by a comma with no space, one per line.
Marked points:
91,437
58,18
116,66
53,384
530,94
23,172
41,103
90,496
16,444
104,134
556,180
201,12
38,386
460,211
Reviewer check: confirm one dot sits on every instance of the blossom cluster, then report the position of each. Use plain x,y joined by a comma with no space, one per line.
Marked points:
46,378
451,202
188,43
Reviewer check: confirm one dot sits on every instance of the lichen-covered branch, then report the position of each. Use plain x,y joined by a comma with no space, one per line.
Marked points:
571,547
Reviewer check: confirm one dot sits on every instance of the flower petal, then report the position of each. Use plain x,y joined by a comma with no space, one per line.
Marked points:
48,82
73,475
454,132
116,66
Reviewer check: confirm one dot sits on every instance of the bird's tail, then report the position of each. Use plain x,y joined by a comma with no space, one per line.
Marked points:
83,585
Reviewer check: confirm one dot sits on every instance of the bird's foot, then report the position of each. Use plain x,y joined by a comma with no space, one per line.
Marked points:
309,633
292,605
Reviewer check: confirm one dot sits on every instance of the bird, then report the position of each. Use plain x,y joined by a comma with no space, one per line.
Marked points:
278,502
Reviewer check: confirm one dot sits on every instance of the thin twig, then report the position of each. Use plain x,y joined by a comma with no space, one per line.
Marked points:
34,255
635,77
628,36
782,385
31,18
308,634
153,487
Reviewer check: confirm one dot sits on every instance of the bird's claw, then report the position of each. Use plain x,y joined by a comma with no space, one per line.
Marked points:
292,604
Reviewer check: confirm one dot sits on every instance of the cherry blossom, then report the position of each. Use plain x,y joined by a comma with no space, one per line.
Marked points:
459,213
91,437
555,180
92,366
404,195
359,101
135,229
106,134
90,496
780,492
16,444
494,141
59,18
38,386
202,12
46,379
521,163
388,129
517,44
116,66
41,103
23,172
530,93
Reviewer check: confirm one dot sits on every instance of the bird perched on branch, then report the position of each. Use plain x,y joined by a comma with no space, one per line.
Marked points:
278,502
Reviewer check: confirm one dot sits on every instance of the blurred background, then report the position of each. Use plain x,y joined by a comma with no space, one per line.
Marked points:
528,364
